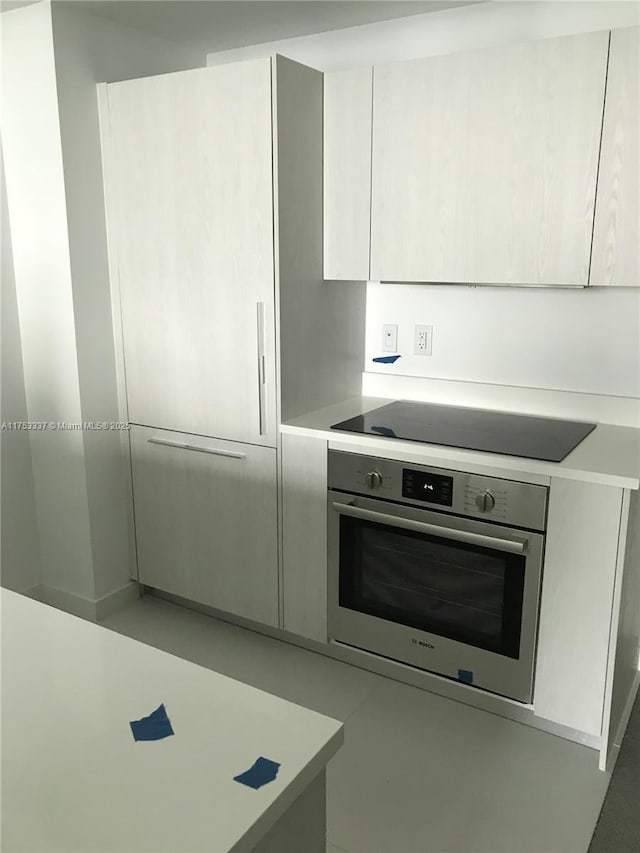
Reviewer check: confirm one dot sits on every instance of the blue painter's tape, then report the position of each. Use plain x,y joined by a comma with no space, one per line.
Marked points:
384,431
262,771
465,675
386,359
154,727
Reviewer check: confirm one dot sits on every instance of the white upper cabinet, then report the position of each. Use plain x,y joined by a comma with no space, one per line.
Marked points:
616,236
347,173
484,164
191,213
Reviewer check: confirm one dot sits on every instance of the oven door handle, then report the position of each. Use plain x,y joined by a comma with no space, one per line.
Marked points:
513,546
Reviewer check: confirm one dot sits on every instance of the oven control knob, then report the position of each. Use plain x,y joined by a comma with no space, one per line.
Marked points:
373,479
485,501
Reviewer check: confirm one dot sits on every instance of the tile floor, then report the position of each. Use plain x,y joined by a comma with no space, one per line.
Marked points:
418,773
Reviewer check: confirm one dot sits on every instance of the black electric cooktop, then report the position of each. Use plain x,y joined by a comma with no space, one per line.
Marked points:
547,439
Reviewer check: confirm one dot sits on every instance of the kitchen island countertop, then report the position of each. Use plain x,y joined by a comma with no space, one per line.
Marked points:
74,779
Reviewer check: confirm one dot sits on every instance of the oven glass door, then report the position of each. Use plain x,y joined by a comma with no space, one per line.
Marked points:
468,591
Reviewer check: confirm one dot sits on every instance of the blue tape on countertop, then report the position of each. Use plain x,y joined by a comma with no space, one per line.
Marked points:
465,675
154,727
262,771
386,359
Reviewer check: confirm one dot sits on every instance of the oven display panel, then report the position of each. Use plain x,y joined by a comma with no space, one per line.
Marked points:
422,486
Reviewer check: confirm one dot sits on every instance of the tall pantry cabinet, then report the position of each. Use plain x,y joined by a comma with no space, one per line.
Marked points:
191,190
210,270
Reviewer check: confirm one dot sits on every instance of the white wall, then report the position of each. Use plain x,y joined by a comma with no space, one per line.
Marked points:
37,212
585,342
51,61
89,50
20,564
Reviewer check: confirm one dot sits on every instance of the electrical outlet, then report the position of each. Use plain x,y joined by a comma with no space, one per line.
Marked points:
422,340
390,338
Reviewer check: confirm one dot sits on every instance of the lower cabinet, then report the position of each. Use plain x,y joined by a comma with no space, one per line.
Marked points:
577,603
304,536
206,520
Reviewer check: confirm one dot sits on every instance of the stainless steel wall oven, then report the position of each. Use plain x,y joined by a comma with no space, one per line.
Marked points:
437,569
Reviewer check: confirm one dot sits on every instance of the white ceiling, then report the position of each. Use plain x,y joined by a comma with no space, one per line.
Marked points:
210,25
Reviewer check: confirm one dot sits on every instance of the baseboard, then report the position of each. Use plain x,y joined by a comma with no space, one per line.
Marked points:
77,605
116,600
624,722
34,592
85,608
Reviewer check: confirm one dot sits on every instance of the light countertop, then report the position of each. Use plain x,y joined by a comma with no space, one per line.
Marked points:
610,455
74,779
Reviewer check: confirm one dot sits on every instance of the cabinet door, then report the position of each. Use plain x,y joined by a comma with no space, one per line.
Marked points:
347,174
484,164
576,603
206,521
616,236
190,196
